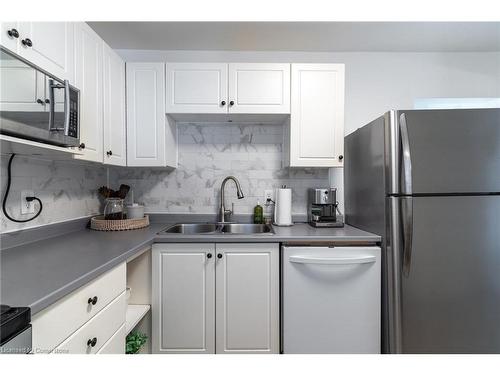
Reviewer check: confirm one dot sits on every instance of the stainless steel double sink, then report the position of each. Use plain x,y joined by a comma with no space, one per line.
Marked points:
222,228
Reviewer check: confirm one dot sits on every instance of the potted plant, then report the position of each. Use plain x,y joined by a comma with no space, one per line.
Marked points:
134,342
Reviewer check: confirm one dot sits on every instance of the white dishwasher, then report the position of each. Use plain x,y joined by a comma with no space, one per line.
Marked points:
331,299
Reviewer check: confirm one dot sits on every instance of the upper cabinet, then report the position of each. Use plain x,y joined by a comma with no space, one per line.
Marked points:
196,88
88,78
316,129
151,138
114,140
259,88
48,45
228,88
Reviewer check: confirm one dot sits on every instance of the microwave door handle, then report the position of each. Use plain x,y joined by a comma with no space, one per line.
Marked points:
406,155
66,106
52,106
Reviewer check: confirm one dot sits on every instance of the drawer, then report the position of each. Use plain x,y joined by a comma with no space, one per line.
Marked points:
116,344
98,329
57,322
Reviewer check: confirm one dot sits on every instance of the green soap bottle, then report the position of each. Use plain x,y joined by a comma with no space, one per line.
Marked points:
258,214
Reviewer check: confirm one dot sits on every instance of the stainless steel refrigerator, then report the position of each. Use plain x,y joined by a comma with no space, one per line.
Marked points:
428,182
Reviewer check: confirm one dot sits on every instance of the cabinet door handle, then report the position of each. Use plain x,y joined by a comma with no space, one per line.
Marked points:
231,102
92,342
209,255
82,146
109,153
219,256
27,42
13,33
341,157
223,103
40,101
92,301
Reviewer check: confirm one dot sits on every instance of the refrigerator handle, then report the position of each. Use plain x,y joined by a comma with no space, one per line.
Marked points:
407,218
405,143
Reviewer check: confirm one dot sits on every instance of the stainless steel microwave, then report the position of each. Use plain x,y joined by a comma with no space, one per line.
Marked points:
35,105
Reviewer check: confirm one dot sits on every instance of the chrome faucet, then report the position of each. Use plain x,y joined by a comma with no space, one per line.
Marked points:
223,213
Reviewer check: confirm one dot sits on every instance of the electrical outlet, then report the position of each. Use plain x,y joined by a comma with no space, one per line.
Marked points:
268,194
27,207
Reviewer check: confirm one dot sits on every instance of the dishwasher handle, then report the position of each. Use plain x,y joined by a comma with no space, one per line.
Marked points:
332,260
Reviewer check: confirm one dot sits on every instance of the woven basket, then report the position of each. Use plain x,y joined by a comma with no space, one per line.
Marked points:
98,223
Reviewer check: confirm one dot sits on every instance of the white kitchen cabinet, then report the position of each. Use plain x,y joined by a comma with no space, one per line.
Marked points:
259,88
89,338
196,88
247,290
89,79
202,88
114,126
151,136
316,129
60,321
49,45
221,298
183,298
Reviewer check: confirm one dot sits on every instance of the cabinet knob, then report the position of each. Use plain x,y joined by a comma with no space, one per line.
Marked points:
223,103
13,33
47,101
92,342
82,146
27,42
219,256
341,157
109,153
92,300
231,102
40,101
209,255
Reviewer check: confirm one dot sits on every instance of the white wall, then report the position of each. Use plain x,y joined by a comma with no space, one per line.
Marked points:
375,81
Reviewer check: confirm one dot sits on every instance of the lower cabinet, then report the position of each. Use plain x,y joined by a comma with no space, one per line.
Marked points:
215,298
85,320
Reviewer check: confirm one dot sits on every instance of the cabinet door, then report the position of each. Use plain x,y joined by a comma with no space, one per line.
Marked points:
183,298
247,292
196,88
317,115
10,42
52,46
147,132
259,88
89,64
115,151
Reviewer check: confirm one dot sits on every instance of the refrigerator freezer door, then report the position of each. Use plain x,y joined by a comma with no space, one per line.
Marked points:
331,300
452,151
451,295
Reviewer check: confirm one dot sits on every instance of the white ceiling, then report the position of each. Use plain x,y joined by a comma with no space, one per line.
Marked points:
303,36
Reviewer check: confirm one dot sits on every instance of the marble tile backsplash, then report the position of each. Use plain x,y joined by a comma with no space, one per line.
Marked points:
210,152
68,189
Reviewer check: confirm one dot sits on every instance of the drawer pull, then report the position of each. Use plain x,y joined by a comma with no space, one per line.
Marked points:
92,342
92,301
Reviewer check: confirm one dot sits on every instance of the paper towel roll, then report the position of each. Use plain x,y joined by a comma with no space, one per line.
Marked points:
283,207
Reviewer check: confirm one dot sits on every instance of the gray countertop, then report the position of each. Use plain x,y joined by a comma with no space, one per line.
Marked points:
39,273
